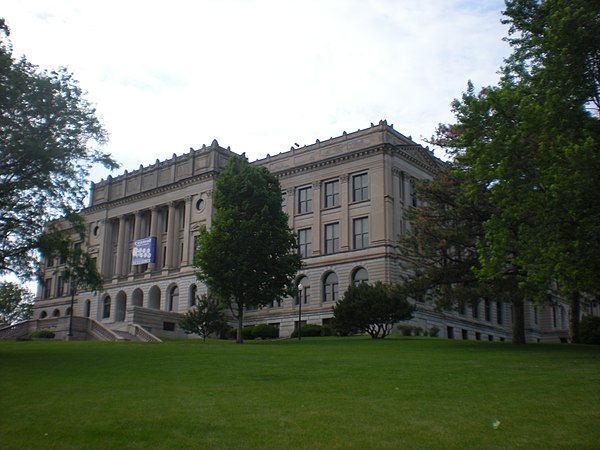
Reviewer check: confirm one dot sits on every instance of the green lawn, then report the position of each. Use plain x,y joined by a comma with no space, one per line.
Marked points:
400,393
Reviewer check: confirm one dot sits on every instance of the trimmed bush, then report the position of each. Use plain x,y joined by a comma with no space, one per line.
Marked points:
406,330
42,334
589,330
309,330
418,331
434,331
265,331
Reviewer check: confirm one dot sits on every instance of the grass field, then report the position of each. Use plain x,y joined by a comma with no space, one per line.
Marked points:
320,393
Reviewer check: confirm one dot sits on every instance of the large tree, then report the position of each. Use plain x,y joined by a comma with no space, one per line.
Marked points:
49,139
16,303
532,143
249,256
441,249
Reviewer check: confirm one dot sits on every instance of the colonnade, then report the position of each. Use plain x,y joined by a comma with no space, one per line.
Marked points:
168,223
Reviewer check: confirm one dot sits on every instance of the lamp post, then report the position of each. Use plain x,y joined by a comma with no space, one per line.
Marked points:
300,312
73,288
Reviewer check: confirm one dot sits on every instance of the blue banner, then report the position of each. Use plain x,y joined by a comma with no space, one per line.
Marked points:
144,251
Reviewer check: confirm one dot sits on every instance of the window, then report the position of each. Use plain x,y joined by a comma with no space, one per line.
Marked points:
360,276
193,293
499,312
332,193
488,312
360,187
173,298
168,326
304,292
106,308
60,283
412,193
305,242
332,238
361,232
475,309
50,262
48,288
330,287
304,200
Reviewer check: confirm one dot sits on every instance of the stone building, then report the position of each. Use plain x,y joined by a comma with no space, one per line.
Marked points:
345,198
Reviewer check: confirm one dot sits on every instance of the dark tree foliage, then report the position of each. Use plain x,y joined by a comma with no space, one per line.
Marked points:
532,144
441,249
371,309
205,318
48,138
65,243
249,256
16,303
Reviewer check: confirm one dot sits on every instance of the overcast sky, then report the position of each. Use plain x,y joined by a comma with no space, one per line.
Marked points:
256,75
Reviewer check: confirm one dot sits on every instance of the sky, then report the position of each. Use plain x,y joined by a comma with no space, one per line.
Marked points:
260,75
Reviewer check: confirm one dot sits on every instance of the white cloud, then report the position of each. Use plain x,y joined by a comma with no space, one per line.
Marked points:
261,75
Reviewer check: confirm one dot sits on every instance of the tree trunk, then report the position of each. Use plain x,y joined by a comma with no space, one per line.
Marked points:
518,318
574,313
240,328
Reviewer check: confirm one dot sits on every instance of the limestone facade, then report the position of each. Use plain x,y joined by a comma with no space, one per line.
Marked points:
346,199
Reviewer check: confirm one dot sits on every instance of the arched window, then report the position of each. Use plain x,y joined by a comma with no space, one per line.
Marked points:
304,292
330,287
56,313
106,307
154,297
68,312
193,294
137,297
173,298
43,315
360,276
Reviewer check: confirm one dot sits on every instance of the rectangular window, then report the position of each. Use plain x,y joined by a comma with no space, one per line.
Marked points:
305,242
361,232
332,238
412,193
488,311
59,286
50,262
475,310
332,193
304,200
48,288
499,312
360,187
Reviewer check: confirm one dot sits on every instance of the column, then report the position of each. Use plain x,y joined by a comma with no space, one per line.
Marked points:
171,235
153,232
137,230
186,231
120,247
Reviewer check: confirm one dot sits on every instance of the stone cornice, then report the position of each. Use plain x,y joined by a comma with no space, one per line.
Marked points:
212,175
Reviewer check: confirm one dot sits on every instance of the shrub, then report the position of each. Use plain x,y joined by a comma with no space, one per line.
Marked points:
589,330
406,330
434,331
265,331
372,309
417,331
309,330
247,332
42,334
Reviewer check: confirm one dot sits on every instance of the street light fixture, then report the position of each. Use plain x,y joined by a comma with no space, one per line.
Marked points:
300,312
